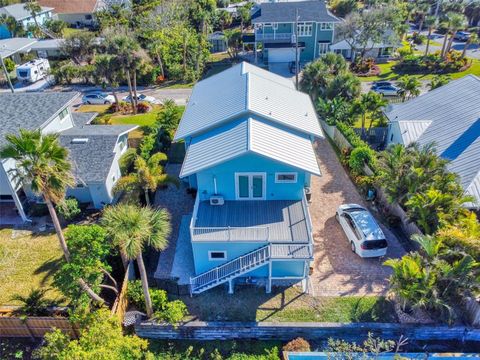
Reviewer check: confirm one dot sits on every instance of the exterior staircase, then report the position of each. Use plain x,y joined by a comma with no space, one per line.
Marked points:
248,262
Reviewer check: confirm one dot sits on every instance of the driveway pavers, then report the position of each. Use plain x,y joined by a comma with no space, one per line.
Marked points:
337,270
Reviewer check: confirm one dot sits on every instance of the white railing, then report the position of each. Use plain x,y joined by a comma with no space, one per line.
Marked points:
259,36
194,215
237,266
228,233
308,221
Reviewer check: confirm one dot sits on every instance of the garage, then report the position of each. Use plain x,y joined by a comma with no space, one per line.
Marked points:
281,55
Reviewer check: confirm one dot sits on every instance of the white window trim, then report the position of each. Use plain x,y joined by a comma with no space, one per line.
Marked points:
64,117
323,26
264,190
304,26
321,46
217,251
286,181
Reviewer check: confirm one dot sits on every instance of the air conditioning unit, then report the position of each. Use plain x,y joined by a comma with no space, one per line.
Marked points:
217,200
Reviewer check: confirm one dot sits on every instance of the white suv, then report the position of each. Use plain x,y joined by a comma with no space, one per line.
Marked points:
364,234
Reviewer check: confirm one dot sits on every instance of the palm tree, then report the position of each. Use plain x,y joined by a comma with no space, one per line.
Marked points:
422,9
370,102
42,163
133,229
455,22
410,87
34,304
432,23
146,178
34,9
472,40
314,78
107,68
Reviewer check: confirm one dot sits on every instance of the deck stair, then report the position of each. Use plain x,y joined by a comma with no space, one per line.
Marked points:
248,262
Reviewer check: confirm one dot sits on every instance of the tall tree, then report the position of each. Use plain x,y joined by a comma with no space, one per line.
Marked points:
135,228
370,103
432,23
42,163
455,22
109,70
472,40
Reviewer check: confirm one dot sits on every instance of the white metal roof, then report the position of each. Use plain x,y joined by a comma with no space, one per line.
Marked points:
412,130
246,90
250,135
9,47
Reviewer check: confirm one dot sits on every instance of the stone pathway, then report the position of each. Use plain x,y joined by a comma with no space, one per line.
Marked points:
338,271
178,203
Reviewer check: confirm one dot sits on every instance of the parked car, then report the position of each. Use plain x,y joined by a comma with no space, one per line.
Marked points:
98,98
143,97
462,36
378,84
387,90
363,232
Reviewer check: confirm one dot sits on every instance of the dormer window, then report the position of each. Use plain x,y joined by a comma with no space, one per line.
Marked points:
63,114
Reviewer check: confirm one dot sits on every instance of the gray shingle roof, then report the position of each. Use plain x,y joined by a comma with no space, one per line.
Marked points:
285,12
83,118
92,160
30,110
18,11
454,112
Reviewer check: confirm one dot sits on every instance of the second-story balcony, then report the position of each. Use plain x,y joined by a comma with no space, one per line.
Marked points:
273,37
274,221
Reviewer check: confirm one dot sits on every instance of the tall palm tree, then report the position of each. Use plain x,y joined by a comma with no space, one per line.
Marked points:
42,163
107,68
34,9
422,9
370,102
472,40
409,87
432,23
133,229
455,22
146,178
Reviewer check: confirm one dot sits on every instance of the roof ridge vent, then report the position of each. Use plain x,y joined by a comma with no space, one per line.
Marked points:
79,140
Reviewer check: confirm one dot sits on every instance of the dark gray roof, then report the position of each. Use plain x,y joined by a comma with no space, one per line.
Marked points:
30,110
285,12
83,118
92,160
453,111
18,11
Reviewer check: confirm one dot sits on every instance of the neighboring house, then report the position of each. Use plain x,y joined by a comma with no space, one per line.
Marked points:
218,42
93,149
249,154
274,25
80,13
450,118
350,50
23,17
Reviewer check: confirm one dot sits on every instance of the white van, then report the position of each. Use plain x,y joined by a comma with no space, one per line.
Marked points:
33,71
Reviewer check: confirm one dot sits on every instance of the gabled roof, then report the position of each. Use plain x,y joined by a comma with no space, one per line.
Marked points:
91,149
250,135
70,6
453,114
247,90
18,11
285,12
30,111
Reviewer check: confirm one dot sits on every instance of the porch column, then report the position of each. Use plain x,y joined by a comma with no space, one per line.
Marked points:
268,287
230,286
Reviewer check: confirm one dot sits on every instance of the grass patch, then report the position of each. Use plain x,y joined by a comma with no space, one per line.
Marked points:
27,262
100,109
388,73
68,31
165,348
176,85
286,305
221,56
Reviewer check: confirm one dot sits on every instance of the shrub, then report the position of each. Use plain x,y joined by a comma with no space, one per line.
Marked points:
9,64
297,345
69,208
359,157
143,107
173,312
135,296
351,135
363,66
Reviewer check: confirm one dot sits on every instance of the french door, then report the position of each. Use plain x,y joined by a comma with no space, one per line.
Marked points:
250,186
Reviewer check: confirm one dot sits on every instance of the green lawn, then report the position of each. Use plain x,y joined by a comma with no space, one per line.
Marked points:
70,31
27,262
252,304
387,73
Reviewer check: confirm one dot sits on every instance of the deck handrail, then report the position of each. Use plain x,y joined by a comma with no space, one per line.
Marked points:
273,36
194,214
246,263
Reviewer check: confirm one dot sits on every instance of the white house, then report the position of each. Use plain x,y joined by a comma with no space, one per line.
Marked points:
449,117
94,150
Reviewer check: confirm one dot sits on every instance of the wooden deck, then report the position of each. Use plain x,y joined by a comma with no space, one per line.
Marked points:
274,221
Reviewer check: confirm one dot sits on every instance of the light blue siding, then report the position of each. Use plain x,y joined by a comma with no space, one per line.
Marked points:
225,178
288,268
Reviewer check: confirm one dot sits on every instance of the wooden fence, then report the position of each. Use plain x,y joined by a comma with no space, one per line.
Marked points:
34,326
199,330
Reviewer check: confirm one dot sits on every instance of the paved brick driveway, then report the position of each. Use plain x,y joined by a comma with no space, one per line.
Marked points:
338,271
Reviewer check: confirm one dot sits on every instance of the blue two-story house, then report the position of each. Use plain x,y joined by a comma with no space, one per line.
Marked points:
274,30
249,154
23,18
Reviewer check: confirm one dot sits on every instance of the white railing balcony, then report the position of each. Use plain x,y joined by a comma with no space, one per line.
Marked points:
284,37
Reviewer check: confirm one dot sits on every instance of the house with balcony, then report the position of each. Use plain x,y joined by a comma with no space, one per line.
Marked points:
249,138
94,150
274,30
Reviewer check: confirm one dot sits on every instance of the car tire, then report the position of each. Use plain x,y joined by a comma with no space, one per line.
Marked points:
353,247
107,102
